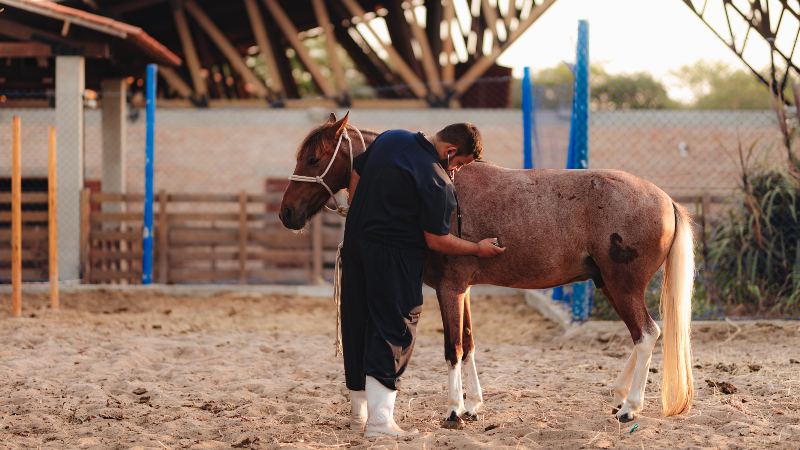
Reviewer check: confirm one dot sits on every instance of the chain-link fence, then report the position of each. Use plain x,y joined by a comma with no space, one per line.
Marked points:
708,135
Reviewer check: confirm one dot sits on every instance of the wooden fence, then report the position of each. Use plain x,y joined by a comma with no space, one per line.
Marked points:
204,238
34,237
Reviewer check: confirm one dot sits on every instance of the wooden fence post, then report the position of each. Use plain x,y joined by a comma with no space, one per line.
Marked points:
52,224
316,250
85,230
243,237
163,239
16,219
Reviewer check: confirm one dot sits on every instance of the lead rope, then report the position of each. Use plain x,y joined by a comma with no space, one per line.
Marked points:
341,211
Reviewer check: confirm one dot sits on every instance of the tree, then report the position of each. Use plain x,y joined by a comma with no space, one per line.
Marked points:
639,90
716,85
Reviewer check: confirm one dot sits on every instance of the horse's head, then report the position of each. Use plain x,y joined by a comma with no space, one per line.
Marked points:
302,200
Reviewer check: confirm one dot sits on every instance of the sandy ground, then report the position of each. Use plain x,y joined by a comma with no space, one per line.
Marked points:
145,370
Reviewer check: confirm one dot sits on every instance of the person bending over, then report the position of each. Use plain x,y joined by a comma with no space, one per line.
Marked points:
404,204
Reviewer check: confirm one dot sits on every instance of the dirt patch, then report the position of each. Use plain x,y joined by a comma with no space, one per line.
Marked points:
141,369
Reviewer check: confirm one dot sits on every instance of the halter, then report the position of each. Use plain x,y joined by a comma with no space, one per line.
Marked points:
341,210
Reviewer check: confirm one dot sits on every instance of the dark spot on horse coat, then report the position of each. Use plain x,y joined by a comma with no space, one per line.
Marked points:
572,198
619,254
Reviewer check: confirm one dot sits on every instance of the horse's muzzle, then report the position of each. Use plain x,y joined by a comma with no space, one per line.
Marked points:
291,220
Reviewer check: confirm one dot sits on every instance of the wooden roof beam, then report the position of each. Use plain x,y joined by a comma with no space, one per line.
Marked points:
483,64
428,62
224,45
264,45
285,24
324,21
189,50
58,45
405,72
448,69
175,81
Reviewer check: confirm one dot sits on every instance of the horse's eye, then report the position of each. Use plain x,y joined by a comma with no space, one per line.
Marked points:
313,161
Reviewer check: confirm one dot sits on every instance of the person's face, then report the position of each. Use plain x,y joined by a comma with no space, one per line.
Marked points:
456,163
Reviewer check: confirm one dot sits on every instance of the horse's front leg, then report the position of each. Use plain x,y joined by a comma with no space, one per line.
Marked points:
451,305
474,399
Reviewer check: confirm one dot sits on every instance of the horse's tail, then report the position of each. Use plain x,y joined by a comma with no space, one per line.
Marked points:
677,387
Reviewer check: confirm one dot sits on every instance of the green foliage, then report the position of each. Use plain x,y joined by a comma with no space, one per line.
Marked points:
629,91
753,257
716,85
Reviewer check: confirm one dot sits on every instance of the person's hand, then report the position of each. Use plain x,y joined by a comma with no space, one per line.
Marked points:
487,248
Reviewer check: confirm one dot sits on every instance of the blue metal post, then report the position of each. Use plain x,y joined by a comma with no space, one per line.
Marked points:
582,293
527,110
147,243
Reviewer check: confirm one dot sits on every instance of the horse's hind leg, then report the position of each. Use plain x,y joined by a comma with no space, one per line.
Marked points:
644,332
474,395
623,384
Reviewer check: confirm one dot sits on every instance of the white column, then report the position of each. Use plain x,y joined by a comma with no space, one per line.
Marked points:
113,177
70,86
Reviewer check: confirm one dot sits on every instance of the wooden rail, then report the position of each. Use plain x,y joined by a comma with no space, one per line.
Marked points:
206,238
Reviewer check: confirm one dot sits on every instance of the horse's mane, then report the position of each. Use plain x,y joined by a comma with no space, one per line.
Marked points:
315,138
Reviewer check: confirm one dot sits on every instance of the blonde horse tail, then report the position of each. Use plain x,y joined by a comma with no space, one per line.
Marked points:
677,387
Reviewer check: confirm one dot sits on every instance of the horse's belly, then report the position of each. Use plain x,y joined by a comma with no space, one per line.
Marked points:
531,273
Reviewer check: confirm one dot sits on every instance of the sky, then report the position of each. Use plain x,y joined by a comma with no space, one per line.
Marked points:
627,35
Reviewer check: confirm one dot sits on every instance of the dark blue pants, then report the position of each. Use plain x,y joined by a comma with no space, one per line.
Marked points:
381,304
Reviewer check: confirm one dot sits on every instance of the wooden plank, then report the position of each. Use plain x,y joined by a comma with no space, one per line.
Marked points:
243,237
112,235
86,212
133,277
316,249
197,275
27,197
204,198
485,62
280,239
185,255
25,255
23,216
26,274
448,70
189,50
24,50
16,217
264,45
429,63
203,236
175,81
405,72
163,239
52,223
29,234
279,275
99,255
290,32
225,46
324,21
100,217
17,30
202,217
101,197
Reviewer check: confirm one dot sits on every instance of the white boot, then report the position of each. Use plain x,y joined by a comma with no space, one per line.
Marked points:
358,410
380,403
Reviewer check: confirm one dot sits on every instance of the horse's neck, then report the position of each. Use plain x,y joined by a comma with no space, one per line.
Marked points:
368,136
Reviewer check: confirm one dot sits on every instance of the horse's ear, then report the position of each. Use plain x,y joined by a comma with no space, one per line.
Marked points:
339,126
331,118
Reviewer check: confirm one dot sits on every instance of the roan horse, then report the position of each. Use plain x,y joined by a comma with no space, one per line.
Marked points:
559,227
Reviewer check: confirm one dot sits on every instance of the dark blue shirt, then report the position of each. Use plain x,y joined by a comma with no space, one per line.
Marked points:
402,191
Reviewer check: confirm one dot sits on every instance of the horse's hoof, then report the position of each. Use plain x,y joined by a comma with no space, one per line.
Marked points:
615,410
470,417
453,422
625,418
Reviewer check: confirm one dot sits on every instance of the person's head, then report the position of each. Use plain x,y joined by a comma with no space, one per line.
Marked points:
459,144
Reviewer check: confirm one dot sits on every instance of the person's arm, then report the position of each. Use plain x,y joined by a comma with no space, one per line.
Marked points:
452,245
351,190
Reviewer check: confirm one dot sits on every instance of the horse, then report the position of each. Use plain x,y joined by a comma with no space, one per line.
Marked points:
559,227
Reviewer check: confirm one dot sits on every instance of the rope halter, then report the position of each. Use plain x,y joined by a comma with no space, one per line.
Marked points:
341,210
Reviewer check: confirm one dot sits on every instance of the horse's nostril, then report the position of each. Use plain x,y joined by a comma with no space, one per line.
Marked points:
286,214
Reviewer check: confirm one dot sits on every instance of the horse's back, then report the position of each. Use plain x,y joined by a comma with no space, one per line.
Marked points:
560,226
